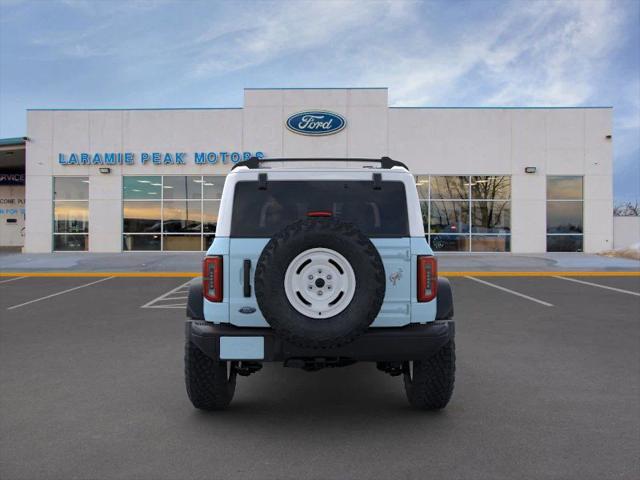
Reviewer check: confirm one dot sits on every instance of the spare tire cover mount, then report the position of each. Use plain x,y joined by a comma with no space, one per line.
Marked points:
320,283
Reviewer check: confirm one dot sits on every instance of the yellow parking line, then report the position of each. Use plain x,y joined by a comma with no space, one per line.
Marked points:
102,274
541,274
442,273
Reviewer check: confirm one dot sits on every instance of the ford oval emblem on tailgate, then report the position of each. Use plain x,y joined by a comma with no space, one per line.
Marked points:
316,122
247,310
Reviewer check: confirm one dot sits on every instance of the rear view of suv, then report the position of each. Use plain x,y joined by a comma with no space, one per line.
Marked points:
320,263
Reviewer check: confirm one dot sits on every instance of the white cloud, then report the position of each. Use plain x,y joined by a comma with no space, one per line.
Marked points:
536,53
273,30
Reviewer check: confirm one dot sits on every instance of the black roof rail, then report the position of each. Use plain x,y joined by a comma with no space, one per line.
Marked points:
385,162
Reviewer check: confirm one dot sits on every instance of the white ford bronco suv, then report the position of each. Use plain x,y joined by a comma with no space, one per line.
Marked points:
320,263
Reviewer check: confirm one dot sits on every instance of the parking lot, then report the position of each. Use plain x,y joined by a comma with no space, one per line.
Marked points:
547,386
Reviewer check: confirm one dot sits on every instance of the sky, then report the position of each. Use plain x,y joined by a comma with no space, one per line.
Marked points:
123,54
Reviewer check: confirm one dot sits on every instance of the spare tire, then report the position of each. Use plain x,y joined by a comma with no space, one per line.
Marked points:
320,283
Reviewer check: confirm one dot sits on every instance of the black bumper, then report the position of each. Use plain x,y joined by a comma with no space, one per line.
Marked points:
413,342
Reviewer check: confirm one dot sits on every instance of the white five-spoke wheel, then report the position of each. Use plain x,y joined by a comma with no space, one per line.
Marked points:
319,283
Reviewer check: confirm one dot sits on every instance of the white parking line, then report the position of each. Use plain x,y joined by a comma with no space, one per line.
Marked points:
59,293
620,290
168,296
12,279
541,302
181,306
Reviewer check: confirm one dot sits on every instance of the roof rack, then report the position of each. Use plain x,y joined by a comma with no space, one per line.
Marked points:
385,162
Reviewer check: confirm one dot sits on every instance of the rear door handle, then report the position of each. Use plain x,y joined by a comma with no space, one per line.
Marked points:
246,275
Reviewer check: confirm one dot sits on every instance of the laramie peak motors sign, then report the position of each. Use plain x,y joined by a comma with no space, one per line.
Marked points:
316,122
155,158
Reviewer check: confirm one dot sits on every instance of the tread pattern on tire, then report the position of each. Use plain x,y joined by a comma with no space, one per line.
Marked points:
281,323
208,386
431,385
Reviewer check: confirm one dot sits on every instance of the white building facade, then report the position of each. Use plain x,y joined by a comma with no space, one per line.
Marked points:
522,180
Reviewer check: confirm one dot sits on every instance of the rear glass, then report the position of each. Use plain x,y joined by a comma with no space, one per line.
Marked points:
262,213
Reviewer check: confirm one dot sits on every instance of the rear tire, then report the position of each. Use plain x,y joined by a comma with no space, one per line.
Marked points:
210,384
429,383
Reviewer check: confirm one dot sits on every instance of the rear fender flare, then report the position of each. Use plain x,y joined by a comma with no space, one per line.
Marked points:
445,300
195,300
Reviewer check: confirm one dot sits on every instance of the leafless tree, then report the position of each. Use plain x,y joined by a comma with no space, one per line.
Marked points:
626,209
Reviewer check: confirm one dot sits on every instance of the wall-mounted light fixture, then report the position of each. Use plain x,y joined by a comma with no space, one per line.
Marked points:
529,169
105,170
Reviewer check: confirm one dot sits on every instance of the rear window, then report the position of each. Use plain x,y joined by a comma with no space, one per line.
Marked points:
262,213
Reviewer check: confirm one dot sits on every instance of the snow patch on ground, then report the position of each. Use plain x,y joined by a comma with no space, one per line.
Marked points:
632,252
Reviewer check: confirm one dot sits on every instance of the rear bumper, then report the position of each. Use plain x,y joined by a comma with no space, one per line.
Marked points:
413,342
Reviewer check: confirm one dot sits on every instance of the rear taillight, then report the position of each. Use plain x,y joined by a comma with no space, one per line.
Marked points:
427,278
212,278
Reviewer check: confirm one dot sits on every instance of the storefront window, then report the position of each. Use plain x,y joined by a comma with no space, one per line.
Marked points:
449,217
564,214
141,217
184,187
142,188
70,213
181,216
466,213
449,188
491,243
491,217
450,243
141,242
491,187
422,184
171,213
212,187
210,215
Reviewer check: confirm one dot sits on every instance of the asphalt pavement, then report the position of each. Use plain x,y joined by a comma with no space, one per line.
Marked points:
547,386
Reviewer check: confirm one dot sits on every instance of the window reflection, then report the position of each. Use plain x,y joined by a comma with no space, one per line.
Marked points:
449,217
63,243
490,243
182,242
182,187
476,205
181,216
491,217
141,217
449,243
208,240
422,184
564,217
564,243
490,187
210,215
142,187
71,188
424,210
140,242
450,187
212,187
71,217
564,213
564,188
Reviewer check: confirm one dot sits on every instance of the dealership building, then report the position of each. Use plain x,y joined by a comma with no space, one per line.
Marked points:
505,179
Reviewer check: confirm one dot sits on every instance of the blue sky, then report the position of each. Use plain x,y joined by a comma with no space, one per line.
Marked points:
112,54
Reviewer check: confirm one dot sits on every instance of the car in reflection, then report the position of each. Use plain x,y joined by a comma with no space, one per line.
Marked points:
175,226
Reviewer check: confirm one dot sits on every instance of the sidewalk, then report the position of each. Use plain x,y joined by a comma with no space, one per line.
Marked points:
190,262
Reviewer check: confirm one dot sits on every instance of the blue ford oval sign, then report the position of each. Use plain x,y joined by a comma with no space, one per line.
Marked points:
316,122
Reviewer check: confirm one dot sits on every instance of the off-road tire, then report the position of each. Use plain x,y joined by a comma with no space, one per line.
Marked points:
346,326
430,385
209,386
